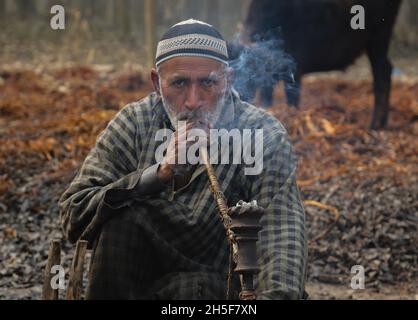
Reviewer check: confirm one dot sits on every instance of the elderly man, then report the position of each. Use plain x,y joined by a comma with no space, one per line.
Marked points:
153,225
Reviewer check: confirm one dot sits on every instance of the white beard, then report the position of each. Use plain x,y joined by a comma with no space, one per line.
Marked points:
212,117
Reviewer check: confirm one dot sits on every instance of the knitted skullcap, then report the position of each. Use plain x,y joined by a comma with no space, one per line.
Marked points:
192,38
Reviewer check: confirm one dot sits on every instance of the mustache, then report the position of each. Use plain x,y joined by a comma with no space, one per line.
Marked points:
200,117
195,115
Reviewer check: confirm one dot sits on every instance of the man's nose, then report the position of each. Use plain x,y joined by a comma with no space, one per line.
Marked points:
193,99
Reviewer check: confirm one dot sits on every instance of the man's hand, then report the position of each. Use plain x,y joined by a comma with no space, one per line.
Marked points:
170,167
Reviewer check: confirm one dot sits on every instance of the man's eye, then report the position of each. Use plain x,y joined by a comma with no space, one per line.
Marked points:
179,83
208,82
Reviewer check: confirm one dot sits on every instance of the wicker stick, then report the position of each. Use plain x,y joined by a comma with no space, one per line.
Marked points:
222,209
54,257
74,289
214,186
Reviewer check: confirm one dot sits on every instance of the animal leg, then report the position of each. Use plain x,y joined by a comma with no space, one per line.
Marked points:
292,89
266,95
382,71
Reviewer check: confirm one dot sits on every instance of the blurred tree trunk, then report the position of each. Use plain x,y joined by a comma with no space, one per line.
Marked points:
2,8
213,13
126,25
193,10
109,12
149,29
181,9
406,30
168,14
121,11
412,15
26,8
137,21
98,9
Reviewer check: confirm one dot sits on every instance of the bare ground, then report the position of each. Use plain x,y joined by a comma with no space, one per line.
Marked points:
359,187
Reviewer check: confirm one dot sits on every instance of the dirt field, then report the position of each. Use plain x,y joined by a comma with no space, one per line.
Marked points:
322,291
359,186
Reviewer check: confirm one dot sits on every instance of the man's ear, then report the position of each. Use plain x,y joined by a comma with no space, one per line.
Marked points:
155,81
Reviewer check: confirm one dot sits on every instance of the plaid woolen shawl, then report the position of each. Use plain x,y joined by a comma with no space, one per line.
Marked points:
185,223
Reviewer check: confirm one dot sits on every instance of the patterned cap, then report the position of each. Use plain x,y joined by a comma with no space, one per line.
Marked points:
192,38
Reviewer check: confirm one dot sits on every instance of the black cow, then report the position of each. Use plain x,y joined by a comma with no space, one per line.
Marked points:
317,34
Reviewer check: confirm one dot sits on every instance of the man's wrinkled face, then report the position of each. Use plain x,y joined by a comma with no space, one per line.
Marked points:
192,85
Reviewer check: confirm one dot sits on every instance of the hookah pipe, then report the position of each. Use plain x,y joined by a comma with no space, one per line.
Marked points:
241,224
